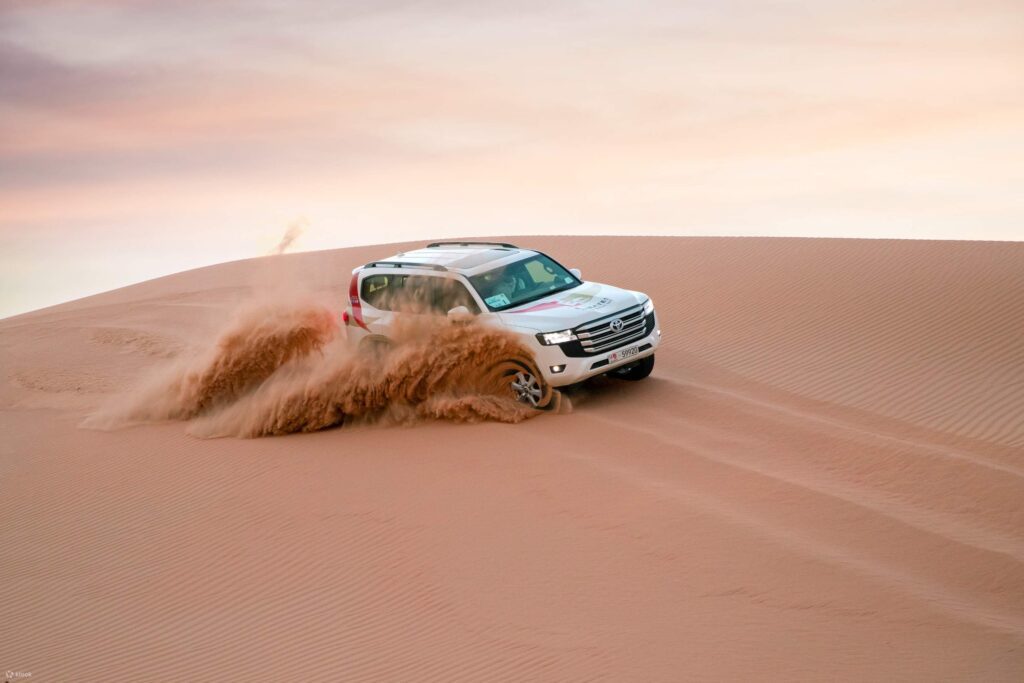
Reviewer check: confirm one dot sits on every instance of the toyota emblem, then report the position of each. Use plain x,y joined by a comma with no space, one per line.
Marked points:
616,325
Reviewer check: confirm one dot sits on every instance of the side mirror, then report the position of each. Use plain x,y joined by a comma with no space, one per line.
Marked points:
576,273
459,314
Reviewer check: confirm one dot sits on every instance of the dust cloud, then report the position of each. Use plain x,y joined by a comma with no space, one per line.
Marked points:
279,369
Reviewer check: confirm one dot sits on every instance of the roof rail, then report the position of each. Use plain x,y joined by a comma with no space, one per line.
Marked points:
470,244
404,264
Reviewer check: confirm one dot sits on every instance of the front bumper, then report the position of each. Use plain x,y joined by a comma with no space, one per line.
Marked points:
578,369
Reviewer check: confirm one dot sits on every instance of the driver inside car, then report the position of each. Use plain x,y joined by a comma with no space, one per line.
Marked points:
504,283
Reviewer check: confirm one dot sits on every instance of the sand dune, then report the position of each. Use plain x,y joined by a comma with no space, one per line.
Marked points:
823,479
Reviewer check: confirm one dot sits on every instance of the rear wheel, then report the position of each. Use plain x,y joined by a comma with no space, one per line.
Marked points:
375,347
635,371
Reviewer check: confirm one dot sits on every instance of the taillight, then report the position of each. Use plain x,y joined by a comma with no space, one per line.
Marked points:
344,317
353,299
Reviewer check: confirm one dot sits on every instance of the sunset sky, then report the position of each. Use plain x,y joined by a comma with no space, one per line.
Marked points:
144,137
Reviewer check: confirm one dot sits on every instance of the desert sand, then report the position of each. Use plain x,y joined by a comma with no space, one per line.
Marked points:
822,480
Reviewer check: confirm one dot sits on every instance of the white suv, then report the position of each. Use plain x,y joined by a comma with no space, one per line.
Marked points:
575,329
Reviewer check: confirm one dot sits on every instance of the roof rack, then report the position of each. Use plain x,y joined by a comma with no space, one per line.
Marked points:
470,244
404,264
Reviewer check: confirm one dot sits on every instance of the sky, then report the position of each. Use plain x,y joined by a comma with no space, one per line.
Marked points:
144,137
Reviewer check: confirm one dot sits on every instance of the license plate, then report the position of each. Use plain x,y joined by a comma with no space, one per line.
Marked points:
622,354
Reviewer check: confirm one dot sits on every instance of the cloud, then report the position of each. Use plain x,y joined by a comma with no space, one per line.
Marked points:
31,78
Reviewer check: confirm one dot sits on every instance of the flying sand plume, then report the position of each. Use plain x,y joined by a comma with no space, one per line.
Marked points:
294,232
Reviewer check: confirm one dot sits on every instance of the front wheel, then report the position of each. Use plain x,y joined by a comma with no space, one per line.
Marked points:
522,378
636,371
527,388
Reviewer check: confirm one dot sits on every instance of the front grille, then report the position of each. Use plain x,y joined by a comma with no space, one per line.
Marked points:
598,336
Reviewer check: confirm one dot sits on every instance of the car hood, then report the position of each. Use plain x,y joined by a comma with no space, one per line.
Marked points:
563,310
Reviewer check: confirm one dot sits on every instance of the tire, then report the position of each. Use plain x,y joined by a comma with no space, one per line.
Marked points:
523,380
375,347
635,372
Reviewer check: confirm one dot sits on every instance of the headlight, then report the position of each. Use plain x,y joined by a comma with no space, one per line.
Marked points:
551,338
649,307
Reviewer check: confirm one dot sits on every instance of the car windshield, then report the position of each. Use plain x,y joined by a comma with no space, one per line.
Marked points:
522,282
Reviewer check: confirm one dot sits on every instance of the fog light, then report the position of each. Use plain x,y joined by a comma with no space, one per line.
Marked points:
555,369
658,331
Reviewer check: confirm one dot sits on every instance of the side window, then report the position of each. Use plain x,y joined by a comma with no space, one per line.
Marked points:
391,292
451,293
416,294
380,290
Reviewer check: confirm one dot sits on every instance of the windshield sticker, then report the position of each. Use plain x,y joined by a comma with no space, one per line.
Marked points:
496,300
